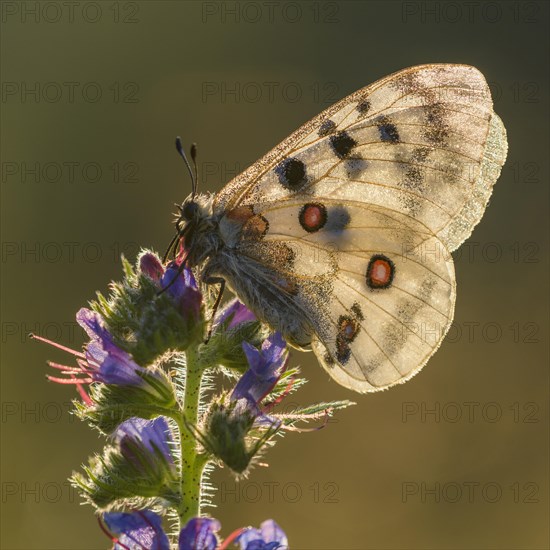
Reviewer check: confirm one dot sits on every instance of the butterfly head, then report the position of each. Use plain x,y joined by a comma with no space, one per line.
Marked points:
195,228
189,212
194,220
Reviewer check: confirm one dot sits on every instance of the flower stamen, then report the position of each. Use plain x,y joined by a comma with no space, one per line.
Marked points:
56,345
115,540
225,544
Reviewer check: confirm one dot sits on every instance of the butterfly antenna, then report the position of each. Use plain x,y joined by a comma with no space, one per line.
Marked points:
170,247
179,149
195,166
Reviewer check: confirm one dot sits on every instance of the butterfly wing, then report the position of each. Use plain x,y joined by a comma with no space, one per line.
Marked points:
424,141
341,234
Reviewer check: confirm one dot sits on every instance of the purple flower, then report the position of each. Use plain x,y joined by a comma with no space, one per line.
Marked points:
269,537
141,529
150,265
105,361
102,360
180,285
183,289
149,440
238,312
265,368
233,325
199,534
138,464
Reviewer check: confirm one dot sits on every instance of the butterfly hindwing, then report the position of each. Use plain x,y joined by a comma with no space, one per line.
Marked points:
371,290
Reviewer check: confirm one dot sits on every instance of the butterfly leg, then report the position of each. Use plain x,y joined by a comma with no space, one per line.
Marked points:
214,281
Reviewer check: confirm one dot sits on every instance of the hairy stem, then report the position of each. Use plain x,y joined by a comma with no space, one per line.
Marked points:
191,464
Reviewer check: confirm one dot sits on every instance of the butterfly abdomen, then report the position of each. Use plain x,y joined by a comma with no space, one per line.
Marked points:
267,293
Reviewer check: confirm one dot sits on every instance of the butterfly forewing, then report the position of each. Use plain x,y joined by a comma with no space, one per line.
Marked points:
424,141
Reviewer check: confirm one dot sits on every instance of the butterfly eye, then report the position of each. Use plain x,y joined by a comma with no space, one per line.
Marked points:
189,210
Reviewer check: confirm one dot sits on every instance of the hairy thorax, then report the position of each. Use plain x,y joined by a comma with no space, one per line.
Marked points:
217,246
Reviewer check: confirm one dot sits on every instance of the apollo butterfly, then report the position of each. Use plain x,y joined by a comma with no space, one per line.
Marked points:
340,237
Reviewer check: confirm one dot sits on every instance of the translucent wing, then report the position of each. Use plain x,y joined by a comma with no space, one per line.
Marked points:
423,142
340,236
375,289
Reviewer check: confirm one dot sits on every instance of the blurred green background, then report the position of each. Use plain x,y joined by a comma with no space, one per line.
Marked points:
93,94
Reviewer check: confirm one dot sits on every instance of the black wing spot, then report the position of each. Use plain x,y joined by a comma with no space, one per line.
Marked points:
291,173
327,128
363,108
388,130
348,328
338,219
355,166
357,311
342,144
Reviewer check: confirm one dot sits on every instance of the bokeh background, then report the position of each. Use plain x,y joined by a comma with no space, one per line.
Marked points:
92,97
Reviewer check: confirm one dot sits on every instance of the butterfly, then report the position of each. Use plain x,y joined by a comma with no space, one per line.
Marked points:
340,237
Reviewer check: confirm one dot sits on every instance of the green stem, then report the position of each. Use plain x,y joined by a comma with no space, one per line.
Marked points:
191,464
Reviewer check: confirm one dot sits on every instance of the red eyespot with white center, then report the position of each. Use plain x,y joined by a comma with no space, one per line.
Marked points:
380,272
312,217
